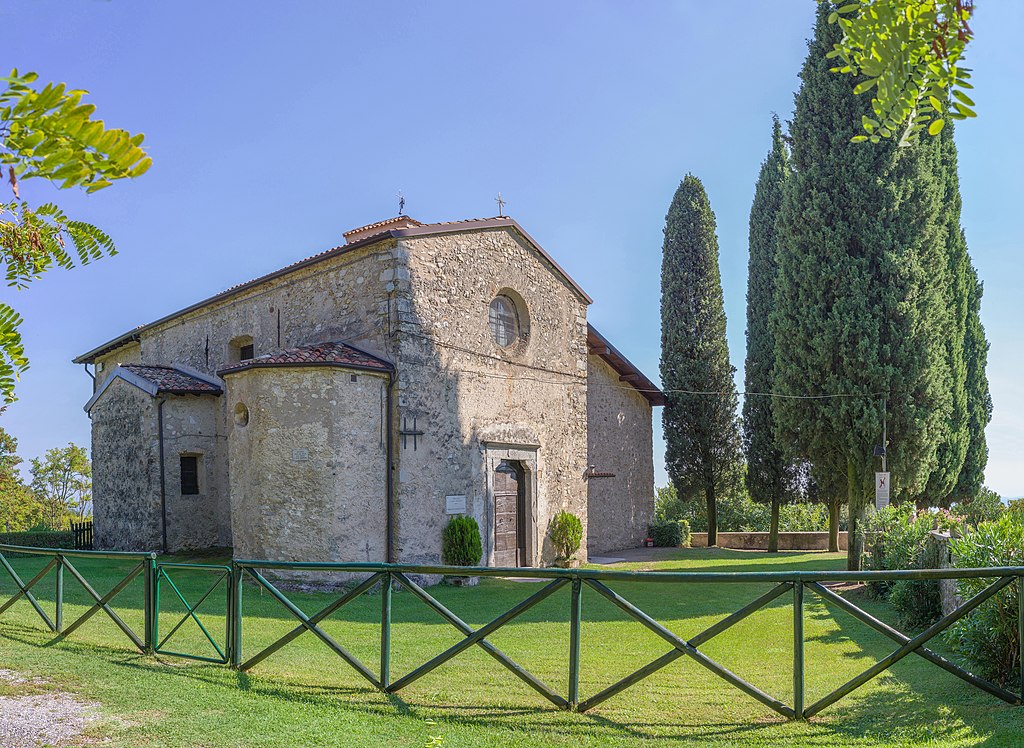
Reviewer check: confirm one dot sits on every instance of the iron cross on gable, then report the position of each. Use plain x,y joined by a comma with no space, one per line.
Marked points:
405,432
501,205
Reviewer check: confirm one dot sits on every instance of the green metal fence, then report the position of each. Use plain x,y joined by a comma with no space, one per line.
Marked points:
231,581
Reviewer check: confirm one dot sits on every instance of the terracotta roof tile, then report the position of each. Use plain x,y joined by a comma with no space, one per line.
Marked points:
324,354
168,379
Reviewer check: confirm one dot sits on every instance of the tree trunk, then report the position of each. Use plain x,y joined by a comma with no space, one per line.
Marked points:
773,529
855,497
709,494
833,525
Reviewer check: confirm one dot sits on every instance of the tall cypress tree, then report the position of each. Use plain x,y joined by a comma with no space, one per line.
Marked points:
979,399
701,431
770,476
858,300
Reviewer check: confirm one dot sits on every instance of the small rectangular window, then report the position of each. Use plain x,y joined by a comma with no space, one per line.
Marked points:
246,352
189,475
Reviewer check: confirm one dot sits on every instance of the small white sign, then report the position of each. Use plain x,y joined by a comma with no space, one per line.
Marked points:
300,455
881,490
454,504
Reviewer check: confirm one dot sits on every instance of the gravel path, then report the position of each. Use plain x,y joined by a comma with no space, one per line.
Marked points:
49,718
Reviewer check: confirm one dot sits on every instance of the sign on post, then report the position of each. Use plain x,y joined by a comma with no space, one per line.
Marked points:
881,490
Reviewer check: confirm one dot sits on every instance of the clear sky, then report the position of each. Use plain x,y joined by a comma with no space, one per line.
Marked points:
275,127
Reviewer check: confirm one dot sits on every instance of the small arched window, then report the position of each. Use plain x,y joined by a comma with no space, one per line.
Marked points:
504,321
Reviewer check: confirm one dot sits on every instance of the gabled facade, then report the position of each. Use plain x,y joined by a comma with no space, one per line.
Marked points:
360,397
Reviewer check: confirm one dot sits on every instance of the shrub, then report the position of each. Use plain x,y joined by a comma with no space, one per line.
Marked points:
567,534
684,533
460,542
668,533
988,636
899,540
986,506
40,538
737,512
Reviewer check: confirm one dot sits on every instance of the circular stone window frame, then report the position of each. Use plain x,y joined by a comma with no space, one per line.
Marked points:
518,347
240,414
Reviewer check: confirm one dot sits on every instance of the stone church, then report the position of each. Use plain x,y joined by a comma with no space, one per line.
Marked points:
344,407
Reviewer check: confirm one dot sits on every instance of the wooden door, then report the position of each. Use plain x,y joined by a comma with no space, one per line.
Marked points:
509,525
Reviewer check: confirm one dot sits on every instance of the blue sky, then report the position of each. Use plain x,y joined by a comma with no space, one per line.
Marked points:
275,127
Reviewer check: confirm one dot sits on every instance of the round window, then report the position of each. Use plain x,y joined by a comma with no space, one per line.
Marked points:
504,321
241,414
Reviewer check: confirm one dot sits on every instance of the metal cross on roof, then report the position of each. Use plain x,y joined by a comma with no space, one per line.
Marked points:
501,205
401,203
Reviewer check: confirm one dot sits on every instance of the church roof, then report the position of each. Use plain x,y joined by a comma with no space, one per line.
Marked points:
173,381
598,345
393,228
177,379
321,354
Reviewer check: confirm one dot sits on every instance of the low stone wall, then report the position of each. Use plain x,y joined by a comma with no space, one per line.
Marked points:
758,541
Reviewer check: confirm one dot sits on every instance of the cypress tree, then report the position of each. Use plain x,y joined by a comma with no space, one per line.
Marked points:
979,399
701,431
770,477
858,312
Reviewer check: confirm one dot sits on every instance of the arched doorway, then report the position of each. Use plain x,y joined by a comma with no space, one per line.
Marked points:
510,520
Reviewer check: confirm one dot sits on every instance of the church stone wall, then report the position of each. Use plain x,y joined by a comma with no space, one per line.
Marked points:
471,398
308,468
191,427
620,434
125,470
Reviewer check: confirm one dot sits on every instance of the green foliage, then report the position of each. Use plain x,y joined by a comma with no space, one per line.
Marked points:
669,533
699,419
566,533
460,542
979,399
738,513
910,54
771,478
985,506
900,540
39,538
50,134
62,482
988,637
859,297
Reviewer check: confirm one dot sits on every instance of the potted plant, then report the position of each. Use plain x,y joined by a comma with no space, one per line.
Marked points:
566,535
460,546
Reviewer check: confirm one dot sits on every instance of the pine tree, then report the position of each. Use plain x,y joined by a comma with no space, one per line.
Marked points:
701,431
770,476
858,308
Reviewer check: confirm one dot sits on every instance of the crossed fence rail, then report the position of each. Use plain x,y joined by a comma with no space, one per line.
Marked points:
229,581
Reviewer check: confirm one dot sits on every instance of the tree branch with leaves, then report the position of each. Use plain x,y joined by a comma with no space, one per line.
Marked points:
910,54
50,134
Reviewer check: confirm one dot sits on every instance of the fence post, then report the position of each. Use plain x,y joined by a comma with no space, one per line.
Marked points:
235,614
798,647
1020,631
574,642
58,615
149,603
386,586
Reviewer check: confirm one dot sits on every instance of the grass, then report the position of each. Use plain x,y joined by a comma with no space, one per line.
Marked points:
304,695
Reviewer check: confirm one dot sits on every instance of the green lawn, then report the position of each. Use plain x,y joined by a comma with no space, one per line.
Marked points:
305,695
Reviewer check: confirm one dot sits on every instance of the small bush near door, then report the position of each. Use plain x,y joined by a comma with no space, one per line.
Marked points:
460,542
566,534
669,533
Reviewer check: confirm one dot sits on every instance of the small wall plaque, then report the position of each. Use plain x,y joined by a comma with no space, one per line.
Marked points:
454,504
300,455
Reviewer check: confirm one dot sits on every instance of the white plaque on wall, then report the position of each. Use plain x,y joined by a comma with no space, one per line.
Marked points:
454,504
300,455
